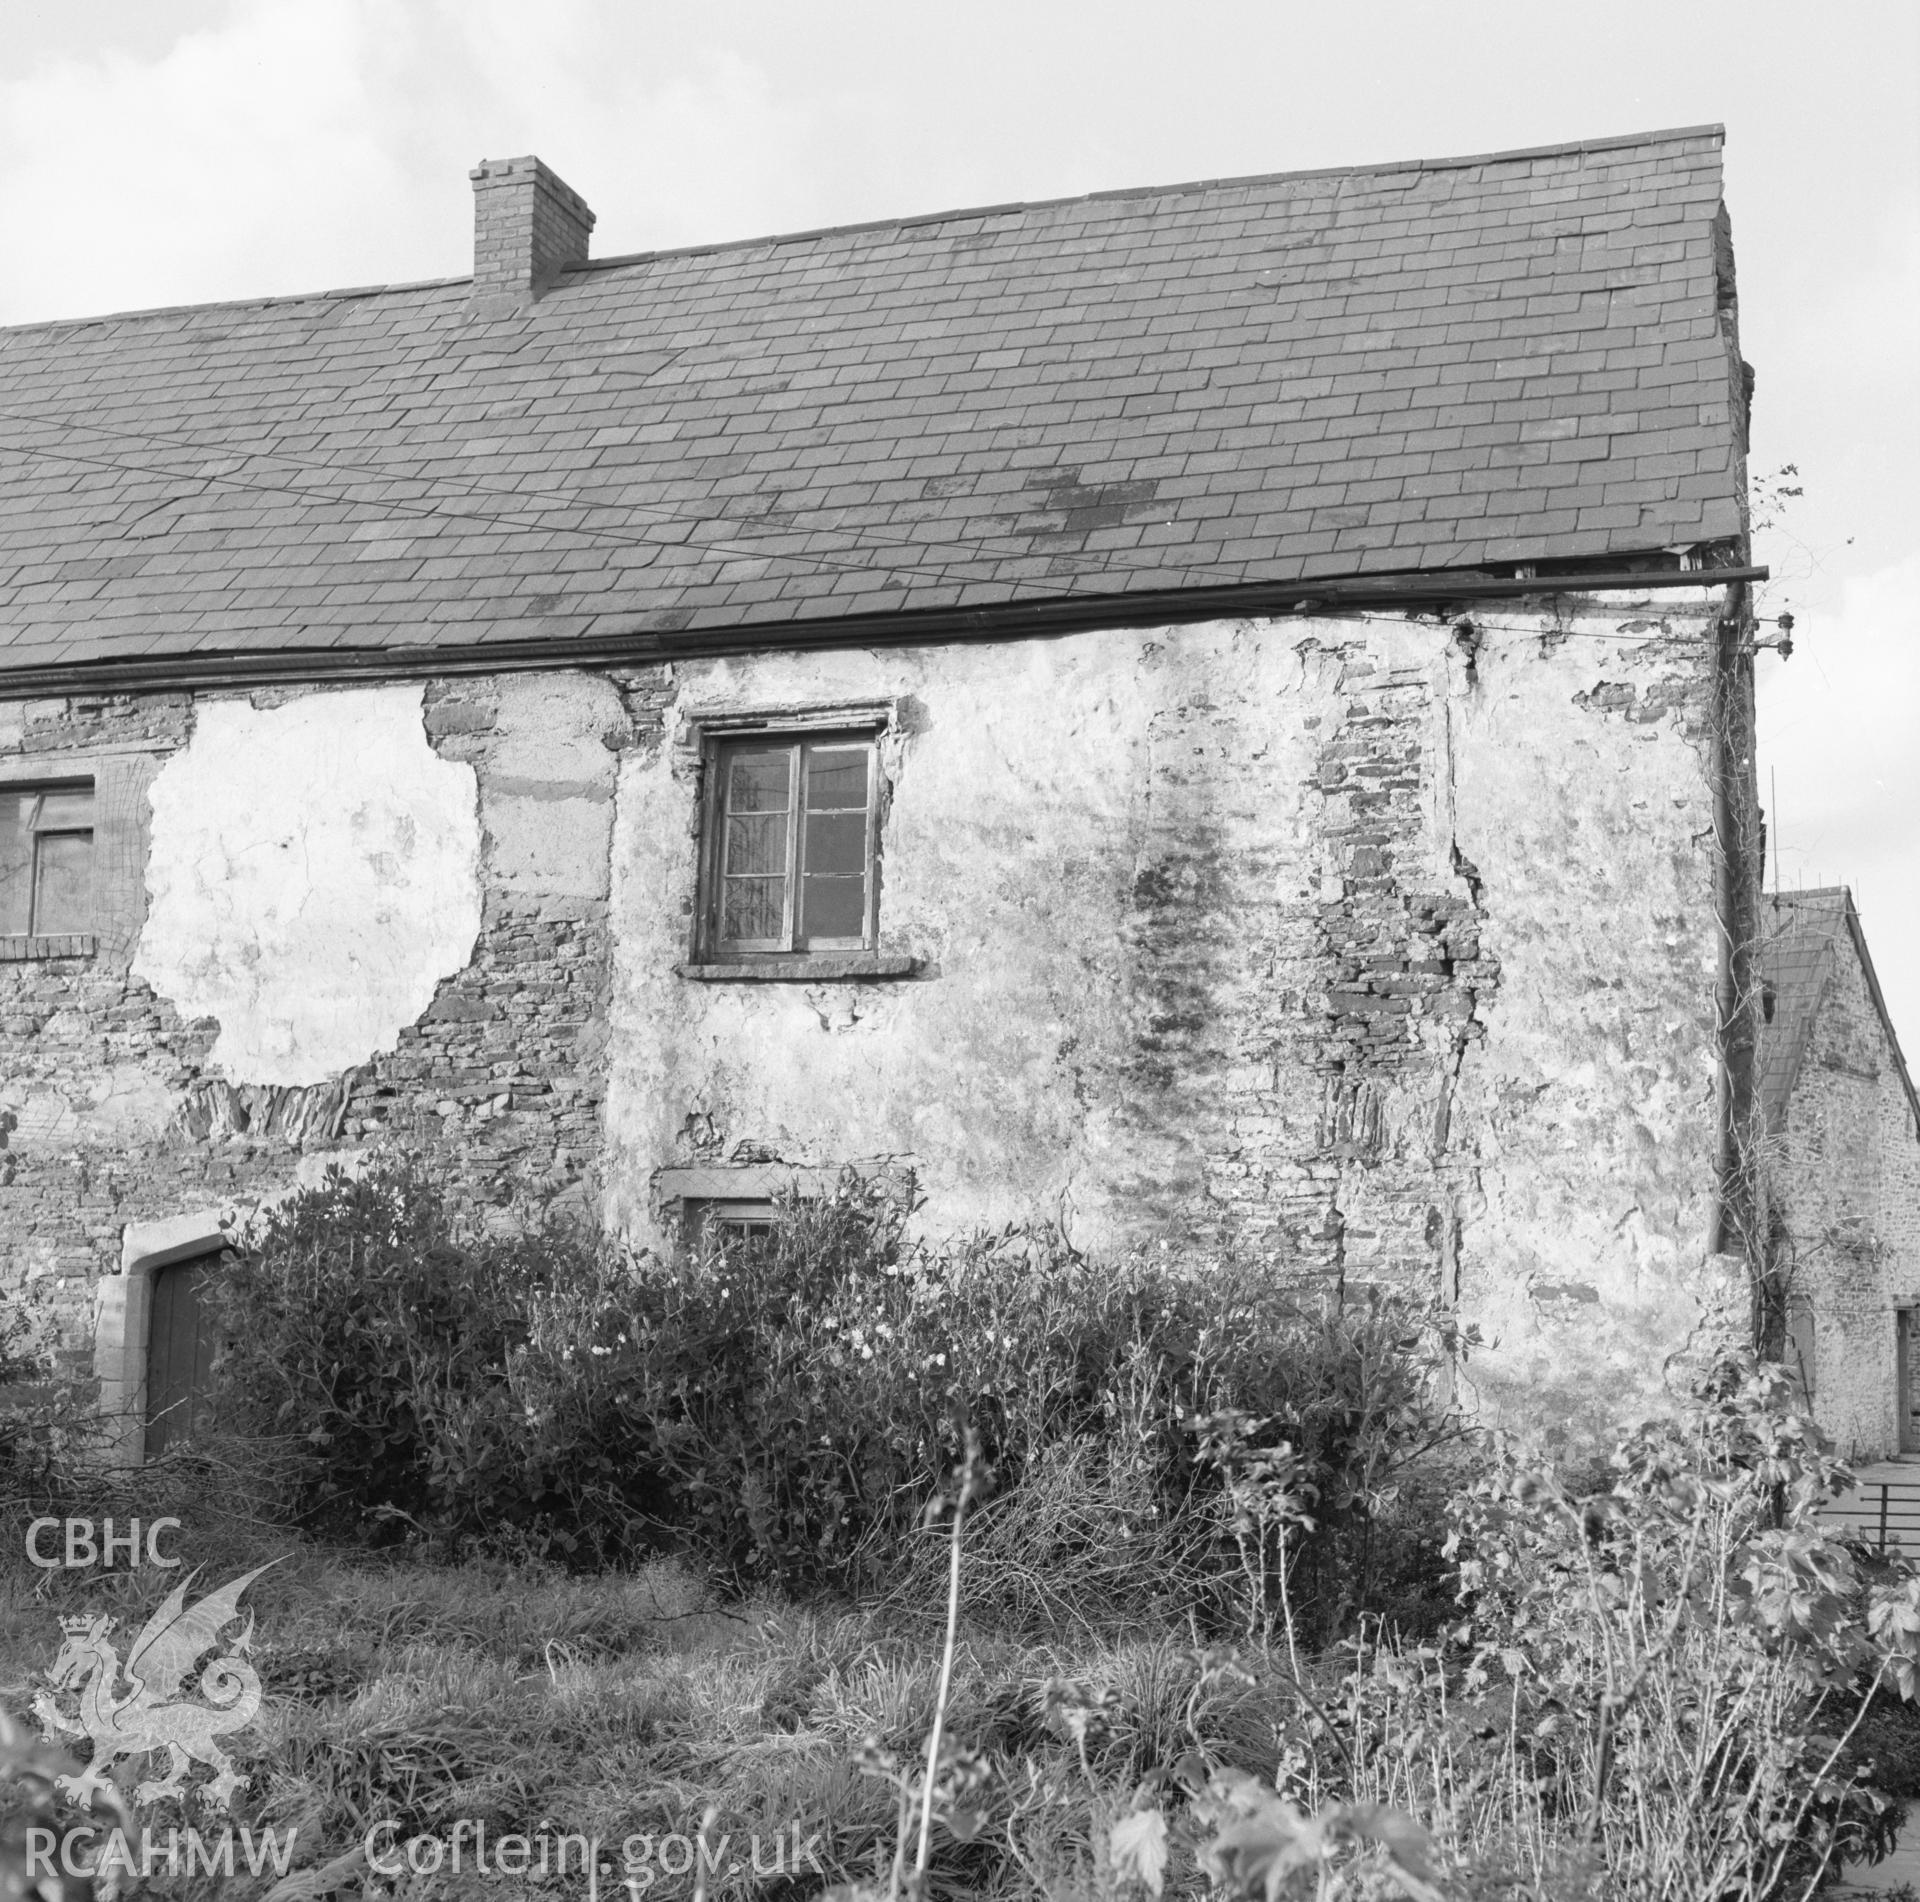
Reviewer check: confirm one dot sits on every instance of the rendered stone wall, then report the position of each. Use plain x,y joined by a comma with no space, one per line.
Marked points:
1380,948
1385,953
1845,1182
457,853
502,1079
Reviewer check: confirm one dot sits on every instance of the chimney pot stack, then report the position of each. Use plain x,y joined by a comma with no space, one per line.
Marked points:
529,226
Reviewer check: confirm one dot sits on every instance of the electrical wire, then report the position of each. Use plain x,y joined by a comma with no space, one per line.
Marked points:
1017,544
938,573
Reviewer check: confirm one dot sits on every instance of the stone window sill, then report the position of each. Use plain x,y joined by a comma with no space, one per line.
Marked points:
820,967
19,949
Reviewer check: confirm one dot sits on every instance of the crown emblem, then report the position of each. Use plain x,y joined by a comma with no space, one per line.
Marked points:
172,1702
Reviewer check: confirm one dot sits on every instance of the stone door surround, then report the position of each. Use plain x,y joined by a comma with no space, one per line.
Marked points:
124,1316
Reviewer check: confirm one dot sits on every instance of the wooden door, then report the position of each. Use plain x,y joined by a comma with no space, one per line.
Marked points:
179,1355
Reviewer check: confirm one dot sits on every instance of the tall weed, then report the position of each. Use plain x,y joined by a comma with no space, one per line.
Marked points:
1649,1698
1654,1689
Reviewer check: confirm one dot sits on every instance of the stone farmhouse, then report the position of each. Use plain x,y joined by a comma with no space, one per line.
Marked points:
1842,1128
1218,716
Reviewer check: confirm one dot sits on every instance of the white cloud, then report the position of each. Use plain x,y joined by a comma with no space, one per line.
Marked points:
1838,727
306,144
239,161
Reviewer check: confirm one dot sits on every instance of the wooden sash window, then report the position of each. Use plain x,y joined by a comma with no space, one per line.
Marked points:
791,846
46,860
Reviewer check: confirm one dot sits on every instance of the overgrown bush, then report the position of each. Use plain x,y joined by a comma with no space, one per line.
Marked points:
367,1343
784,1405
51,1434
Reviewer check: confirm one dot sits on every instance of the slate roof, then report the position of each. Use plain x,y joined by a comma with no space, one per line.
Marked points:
1434,366
1805,935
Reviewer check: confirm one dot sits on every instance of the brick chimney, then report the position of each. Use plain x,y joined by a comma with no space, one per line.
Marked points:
528,227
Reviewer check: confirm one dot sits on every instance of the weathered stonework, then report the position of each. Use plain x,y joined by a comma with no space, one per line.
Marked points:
115,1108
1843,1176
1378,947
1382,948
1386,948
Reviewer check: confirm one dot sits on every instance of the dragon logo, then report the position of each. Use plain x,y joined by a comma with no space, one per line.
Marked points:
149,1713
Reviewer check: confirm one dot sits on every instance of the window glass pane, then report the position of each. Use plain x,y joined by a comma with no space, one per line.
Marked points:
836,842
16,862
757,842
63,894
836,779
758,781
70,811
834,907
763,840
753,908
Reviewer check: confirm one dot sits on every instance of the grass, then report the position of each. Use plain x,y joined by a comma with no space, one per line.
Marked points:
615,1707
635,1705
639,1705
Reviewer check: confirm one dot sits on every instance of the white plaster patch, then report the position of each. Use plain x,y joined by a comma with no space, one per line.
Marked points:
313,875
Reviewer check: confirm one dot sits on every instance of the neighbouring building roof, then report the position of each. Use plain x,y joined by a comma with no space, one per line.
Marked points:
1416,367
1805,935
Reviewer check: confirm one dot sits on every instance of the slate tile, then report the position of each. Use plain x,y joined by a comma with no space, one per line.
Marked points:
838,369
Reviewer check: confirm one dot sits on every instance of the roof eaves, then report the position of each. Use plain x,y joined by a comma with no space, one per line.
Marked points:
651,638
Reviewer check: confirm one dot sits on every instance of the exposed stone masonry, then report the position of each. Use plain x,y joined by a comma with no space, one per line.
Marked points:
1287,939
115,1117
1843,1173
1386,989
501,1082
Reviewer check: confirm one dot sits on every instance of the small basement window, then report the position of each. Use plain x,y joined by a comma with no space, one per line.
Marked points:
46,860
791,861
729,1219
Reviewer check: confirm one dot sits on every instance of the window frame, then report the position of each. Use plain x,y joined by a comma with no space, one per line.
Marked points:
797,739
36,932
736,1218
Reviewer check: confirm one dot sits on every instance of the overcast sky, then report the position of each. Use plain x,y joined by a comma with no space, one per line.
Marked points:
176,151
